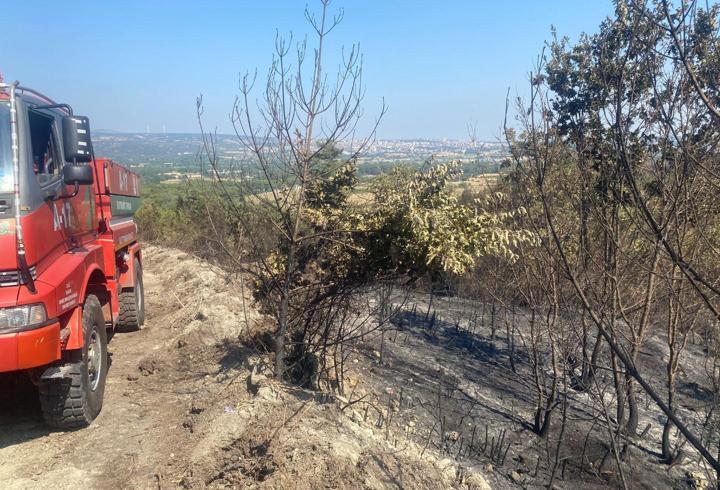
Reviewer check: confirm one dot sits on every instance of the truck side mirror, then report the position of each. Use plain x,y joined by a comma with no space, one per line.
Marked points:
77,174
77,145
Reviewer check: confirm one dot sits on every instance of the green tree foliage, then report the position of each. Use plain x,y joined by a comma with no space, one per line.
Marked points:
333,179
412,226
192,216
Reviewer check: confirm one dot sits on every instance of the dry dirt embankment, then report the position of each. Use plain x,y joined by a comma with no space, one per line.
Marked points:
182,410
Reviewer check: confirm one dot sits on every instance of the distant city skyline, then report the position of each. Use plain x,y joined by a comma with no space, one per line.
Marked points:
135,66
109,132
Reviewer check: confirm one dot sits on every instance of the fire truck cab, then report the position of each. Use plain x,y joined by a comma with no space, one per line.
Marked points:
70,262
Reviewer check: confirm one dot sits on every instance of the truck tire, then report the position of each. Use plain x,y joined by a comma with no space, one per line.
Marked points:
75,399
132,304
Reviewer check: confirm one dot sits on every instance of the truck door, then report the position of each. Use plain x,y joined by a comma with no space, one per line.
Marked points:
53,223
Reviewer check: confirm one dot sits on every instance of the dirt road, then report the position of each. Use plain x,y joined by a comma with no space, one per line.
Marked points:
145,404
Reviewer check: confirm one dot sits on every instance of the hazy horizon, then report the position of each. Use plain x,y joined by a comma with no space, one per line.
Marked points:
105,131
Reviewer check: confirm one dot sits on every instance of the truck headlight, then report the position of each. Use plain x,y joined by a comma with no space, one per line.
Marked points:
20,318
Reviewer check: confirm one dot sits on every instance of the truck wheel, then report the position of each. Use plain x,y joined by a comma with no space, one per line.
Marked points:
75,399
132,304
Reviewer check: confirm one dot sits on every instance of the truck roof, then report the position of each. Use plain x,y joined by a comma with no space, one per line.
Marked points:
29,95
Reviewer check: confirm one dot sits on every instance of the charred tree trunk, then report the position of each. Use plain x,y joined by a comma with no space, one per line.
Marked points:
589,367
493,324
633,415
619,392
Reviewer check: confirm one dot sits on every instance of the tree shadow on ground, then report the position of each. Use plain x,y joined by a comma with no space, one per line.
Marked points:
234,354
457,356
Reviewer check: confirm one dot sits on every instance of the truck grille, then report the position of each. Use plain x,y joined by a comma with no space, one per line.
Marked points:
12,278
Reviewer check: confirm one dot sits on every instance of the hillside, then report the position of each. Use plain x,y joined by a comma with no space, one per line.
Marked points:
187,405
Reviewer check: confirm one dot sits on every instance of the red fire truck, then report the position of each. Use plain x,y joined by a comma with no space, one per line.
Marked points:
70,262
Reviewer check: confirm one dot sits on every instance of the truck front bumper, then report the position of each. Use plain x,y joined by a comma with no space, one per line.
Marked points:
34,348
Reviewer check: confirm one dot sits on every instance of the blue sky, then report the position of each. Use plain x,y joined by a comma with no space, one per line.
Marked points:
133,64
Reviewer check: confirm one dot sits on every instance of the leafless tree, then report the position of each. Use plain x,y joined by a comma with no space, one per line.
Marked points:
304,112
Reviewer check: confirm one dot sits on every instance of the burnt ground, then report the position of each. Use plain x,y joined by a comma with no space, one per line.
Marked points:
434,403
188,405
451,386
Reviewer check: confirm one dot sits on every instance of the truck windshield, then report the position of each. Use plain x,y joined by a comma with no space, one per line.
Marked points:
6,166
